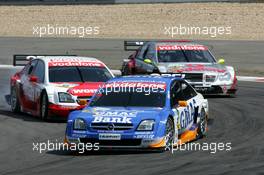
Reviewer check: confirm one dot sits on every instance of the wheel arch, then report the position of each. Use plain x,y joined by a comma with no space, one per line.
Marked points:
175,126
41,94
43,91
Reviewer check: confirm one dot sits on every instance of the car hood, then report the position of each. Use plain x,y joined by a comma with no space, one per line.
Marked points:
79,88
120,114
192,67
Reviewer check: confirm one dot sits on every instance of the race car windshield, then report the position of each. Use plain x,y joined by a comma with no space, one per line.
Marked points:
133,99
171,56
78,74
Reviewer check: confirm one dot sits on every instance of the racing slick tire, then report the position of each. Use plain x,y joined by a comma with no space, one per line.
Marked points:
202,125
44,102
169,134
14,101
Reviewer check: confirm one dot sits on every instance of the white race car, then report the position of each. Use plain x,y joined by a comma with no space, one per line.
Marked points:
55,85
193,61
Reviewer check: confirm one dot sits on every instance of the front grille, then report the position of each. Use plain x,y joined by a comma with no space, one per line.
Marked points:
194,77
111,126
210,78
124,142
212,90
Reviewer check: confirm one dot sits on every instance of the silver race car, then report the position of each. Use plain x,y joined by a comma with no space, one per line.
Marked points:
192,61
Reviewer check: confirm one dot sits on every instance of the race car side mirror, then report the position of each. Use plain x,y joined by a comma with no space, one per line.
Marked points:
221,61
33,79
148,61
182,103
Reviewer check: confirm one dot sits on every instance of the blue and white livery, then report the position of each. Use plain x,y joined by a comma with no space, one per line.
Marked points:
140,112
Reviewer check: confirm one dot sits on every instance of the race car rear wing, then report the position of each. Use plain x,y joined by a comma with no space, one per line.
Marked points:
22,60
133,45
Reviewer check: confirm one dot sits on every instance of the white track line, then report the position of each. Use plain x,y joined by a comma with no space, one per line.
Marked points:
118,72
10,67
252,79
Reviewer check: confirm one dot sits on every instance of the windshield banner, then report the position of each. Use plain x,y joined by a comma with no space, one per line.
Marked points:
73,63
181,47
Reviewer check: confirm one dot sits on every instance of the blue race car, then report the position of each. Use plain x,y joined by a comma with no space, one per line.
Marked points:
140,112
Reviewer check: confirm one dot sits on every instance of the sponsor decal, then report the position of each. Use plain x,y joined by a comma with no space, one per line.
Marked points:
109,136
187,115
182,47
79,132
179,75
79,135
69,59
112,120
136,84
144,136
115,113
144,132
83,91
76,63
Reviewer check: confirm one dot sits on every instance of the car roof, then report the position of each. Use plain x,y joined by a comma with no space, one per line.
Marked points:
145,78
67,58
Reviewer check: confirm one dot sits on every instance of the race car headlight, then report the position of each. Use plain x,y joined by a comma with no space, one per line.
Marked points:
79,124
65,97
162,69
146,125
225,77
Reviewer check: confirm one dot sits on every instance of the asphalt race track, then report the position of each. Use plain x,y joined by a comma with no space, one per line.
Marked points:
245,56
238,121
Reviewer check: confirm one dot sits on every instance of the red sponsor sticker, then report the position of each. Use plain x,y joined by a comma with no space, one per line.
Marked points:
85,89
76,63
82,91
136,84
182,47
